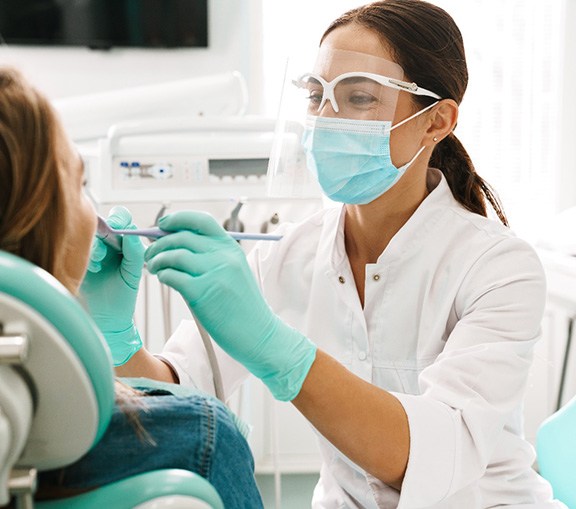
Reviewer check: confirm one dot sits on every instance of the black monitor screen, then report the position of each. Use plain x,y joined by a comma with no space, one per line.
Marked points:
105,23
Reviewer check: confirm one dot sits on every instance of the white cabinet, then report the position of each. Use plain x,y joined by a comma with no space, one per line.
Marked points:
550,361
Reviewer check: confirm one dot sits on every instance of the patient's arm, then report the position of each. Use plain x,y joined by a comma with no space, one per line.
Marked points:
144,364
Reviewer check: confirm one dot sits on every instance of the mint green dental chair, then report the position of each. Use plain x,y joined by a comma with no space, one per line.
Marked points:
57,397
556,452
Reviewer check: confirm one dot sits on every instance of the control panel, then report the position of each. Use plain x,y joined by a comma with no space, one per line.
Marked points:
194,159
177,171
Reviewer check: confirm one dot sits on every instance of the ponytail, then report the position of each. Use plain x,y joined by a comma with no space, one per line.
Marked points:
469,189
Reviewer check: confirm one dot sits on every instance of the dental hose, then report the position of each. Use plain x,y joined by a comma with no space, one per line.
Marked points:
208,346
216,373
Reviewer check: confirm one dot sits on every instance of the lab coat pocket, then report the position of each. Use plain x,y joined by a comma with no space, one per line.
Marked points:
387,376
409,373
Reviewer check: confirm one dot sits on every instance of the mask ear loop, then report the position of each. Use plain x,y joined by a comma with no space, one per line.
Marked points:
404,167
414,116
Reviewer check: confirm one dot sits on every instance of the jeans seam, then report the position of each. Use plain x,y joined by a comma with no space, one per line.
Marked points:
210,427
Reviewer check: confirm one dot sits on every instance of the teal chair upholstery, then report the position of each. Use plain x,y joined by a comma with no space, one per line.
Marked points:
556,452
57,398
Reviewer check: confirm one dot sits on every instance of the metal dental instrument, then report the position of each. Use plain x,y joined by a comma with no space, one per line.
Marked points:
110,235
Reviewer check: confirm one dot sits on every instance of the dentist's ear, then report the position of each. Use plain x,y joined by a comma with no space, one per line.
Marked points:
443,119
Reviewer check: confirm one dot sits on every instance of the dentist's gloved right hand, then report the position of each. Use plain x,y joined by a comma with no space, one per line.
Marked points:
209,269
110,288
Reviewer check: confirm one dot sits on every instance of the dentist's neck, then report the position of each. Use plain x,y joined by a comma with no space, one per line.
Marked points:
369,228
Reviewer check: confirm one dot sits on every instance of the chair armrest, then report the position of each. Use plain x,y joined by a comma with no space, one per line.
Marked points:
135,491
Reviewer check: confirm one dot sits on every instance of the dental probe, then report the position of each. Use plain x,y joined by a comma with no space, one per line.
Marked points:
108,233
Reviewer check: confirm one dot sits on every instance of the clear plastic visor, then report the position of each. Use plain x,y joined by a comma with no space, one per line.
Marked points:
340,84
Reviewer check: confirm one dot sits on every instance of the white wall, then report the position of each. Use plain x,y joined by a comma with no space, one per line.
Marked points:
234,44
292,30
566,190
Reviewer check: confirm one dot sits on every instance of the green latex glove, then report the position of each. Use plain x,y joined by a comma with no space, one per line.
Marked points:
110,288
209,269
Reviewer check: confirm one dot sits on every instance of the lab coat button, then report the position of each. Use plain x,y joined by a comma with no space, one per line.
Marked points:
341,279
362,355
376,277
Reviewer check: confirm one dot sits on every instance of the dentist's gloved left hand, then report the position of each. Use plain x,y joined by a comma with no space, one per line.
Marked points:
209,269
110,288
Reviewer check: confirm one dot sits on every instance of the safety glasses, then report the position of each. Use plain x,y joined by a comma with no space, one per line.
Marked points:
353,94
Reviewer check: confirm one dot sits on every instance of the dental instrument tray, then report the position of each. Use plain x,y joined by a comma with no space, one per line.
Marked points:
181,159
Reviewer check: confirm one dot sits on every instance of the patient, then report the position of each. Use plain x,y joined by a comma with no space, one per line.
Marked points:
46,218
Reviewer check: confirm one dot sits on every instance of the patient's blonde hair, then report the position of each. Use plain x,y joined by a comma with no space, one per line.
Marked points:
32,200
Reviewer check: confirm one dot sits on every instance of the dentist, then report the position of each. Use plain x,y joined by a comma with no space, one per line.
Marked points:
401,324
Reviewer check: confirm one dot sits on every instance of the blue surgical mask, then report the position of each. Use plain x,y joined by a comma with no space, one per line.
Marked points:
351,158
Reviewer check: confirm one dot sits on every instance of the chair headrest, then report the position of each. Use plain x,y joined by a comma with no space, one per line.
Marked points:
69,365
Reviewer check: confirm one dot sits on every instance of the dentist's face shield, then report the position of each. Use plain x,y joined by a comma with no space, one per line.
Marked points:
342,85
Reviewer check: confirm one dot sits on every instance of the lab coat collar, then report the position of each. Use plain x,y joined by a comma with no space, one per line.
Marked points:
410,236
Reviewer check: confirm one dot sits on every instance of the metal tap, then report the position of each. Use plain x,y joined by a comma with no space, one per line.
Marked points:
233,223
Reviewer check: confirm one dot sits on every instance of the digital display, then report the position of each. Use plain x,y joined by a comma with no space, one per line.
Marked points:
104,24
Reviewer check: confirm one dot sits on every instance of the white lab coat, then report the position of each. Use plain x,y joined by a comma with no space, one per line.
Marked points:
452,312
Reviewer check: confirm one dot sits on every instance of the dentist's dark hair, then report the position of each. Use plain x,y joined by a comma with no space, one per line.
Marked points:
427,44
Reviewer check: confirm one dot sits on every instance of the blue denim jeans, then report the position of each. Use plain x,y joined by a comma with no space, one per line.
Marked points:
190,431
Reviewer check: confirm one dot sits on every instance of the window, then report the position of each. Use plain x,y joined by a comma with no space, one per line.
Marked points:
510,114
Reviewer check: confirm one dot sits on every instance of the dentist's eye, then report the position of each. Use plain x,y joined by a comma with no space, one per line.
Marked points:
361,99
314,98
